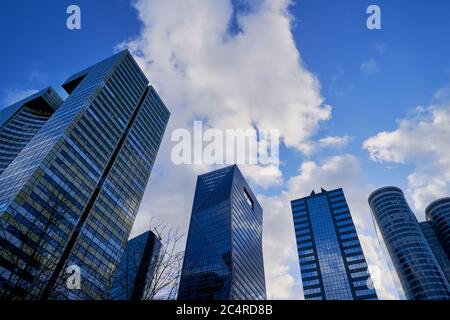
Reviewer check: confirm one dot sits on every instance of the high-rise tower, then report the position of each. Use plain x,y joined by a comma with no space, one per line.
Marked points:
332,262
69,199
417,268
223,258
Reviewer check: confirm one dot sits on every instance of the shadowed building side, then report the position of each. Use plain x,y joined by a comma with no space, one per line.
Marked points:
134,276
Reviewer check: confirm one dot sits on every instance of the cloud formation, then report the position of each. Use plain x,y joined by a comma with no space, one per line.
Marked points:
422,141
236,68
251,77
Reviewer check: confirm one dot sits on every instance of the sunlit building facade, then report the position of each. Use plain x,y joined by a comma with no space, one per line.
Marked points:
418,270
71,196
332,263
223,258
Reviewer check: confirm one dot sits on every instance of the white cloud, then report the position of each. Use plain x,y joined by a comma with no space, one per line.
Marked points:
369,67
334,141
253,78
422,141
331,142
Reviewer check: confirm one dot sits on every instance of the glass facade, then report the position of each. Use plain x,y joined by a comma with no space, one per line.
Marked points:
438,214
223,258
418,270
134,276
331,259
436,247
71,196
22,120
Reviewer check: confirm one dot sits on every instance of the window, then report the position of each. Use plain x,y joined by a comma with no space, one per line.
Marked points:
248,198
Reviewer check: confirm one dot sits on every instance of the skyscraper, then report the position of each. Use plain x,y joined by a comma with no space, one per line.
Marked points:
437,232
436,247
417,268
438,214
134,276
22,120
332,262
223,258
71,196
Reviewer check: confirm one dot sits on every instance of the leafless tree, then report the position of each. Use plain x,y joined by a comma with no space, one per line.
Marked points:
28,251
166,266
162,276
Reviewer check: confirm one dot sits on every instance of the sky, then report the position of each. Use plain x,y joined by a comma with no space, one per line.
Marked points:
356,108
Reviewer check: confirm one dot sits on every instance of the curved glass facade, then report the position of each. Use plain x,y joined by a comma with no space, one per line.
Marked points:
418,270
223,258
438,214
332,262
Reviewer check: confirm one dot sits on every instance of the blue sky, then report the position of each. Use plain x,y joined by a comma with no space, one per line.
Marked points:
371,78
410,53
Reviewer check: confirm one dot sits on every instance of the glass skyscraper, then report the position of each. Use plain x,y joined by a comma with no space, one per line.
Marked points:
71,195
438,215
134,276
223,258
419,272
332,262
437,231
436,247
22,120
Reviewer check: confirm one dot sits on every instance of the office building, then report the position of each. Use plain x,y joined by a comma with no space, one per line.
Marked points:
436,247
417,268
134,276
332,263
69,199
223,258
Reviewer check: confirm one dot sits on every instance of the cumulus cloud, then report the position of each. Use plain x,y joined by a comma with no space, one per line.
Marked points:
330,142
239,69
419,140
231,68
252,77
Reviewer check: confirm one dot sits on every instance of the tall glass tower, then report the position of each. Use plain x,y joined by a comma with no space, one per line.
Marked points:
418,270
436,247
69,199
437,231
438,214
223,258
332,262
22,120
134,276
